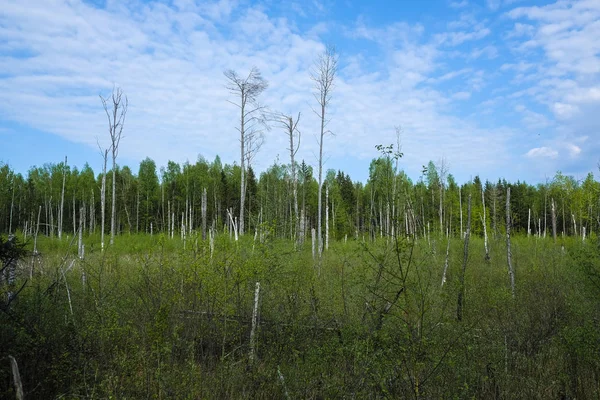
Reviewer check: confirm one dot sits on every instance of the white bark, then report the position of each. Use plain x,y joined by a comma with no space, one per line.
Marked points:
323,75
204,201
485,236
446,262
80,235
511,271
16,378
103,199
248,90
252,354
461,214
62,200
327,217
554,220
116,120
312,231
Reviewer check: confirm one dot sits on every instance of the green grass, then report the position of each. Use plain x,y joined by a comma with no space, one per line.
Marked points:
153,319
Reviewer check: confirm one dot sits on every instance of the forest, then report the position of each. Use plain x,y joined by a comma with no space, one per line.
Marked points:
208,280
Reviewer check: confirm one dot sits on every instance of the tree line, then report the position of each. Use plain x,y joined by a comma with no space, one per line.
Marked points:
183,199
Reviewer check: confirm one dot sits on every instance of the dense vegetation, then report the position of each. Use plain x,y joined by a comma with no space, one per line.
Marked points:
167,311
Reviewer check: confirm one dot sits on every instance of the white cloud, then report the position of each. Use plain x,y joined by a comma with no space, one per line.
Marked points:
459,4
169,62
564,111
459,37
574,150
561,40
461,95
544,152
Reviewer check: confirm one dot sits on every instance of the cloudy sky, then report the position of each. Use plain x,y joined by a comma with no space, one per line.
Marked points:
496,88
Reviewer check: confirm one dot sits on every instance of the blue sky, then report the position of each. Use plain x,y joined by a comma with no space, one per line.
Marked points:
496,88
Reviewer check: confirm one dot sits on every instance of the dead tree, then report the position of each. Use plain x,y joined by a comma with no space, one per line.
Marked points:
511,271
442,173
485,236
323,75
104,154
62,200
553,220
461,293
116,120
252,121
290,126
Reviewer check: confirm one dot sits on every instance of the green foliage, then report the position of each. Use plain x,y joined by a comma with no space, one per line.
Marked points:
156,318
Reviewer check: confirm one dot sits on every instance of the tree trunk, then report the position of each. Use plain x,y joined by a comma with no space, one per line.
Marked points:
103,200
461,293
511,271
62,200
327,217
554,220
12,202
485,236
113,214
204,214
461,213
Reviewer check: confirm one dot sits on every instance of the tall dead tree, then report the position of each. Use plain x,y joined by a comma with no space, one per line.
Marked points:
115,111
104,153
442,173
252,121
553,220
290,126
461,293
62,200
323,74
485,236
511,271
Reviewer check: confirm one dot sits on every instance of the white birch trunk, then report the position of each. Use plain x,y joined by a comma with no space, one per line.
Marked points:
252,354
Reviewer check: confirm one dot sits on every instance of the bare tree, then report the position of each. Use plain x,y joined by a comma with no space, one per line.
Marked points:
323,74
290,126
461,293
511,271
62,200
116,120
104,154
485,236
252,121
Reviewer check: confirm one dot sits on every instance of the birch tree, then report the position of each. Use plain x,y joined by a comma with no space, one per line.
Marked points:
323,75
115,111
252,121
